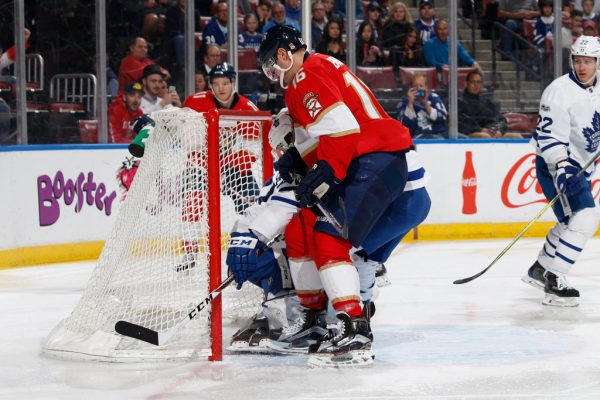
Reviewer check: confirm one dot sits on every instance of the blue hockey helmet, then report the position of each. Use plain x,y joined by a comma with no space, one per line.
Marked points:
223,70
278,37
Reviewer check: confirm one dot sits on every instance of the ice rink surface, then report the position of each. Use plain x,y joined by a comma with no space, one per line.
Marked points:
487,339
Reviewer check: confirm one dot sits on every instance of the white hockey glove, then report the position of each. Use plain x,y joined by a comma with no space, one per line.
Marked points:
281,135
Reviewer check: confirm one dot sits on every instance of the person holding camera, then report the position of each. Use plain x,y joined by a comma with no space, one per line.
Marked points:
423,111
153,80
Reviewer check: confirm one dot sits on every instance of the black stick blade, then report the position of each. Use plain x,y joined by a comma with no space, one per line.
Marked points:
137,332
469,279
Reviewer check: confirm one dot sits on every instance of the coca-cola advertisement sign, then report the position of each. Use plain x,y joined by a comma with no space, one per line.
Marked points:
521,188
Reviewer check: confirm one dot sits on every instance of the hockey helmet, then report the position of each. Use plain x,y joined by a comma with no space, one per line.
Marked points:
278,37
223,70
588,46
281,135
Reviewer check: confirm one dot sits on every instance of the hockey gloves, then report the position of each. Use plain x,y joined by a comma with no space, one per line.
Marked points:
316,184
566,180
291,166
249,260
142,126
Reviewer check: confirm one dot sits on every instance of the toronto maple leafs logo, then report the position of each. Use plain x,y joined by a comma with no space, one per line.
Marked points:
592,135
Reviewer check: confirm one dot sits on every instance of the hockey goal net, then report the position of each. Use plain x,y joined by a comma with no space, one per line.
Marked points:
166,251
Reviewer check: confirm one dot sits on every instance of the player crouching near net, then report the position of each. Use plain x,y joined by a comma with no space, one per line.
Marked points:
357,170
270,329
566,138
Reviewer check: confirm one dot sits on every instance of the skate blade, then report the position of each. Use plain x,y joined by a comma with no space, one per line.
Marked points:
532,282
382,281
556,301
285,349
352,359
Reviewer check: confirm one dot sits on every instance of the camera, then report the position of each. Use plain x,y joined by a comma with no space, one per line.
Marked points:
420,94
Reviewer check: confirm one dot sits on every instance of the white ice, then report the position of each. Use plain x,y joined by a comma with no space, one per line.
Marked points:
487,339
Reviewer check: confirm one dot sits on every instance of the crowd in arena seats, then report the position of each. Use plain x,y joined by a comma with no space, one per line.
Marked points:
150,34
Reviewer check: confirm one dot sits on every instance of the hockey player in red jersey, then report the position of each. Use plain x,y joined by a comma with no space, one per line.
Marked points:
356,156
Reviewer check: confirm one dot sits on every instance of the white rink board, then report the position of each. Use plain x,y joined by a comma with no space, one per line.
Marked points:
31,215
506,182
502,196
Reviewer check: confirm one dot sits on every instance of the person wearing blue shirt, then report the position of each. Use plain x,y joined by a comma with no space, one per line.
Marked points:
249,38
292,10
215,31
279,18
436,50
422,111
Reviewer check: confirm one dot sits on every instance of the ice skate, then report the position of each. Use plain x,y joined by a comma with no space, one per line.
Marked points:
559,292
381,278
309,328
188,262
348,345
535,276
253,336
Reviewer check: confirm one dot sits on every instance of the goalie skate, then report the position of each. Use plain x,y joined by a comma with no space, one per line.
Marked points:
535,276
309,328
253,336
381,278
348,345
559,292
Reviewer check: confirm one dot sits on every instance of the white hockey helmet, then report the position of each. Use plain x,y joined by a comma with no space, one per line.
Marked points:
588,46
281,135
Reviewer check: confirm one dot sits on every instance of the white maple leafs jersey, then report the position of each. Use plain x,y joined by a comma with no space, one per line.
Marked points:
568,122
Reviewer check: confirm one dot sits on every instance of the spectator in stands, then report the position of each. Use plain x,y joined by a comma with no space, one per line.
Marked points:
250,38
152,81
153,25
435,50
200,81
215,32
124,109
587,6
212,57
279,18
513,12
175,29
132,66
375,19
318,22
167,91
8,57
367,52
5,116
544,24
292,10
426,22
410,53
589,28
339,8
331,42
330,13
264,14
397,26
577,5
423,111
478,116
577,26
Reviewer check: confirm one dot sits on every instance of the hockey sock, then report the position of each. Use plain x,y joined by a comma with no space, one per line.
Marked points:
546,255
582,225
342,285
308,283
366,272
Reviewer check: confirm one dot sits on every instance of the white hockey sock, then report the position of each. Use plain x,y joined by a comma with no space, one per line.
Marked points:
546,255
582,225
342,285
366,274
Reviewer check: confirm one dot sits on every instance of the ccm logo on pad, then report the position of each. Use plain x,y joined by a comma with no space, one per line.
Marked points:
247,243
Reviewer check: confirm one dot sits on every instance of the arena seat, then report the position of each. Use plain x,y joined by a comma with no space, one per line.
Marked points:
377,77
406,74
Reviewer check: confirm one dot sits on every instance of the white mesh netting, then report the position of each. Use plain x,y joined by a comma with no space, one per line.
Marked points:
153,269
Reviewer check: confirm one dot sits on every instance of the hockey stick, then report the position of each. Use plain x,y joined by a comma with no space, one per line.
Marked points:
160,338
342,230
533,221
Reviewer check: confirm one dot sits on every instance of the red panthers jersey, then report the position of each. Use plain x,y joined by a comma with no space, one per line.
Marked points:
205,101
335,113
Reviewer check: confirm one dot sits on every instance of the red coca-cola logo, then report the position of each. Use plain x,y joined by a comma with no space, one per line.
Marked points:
521,188
469,182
